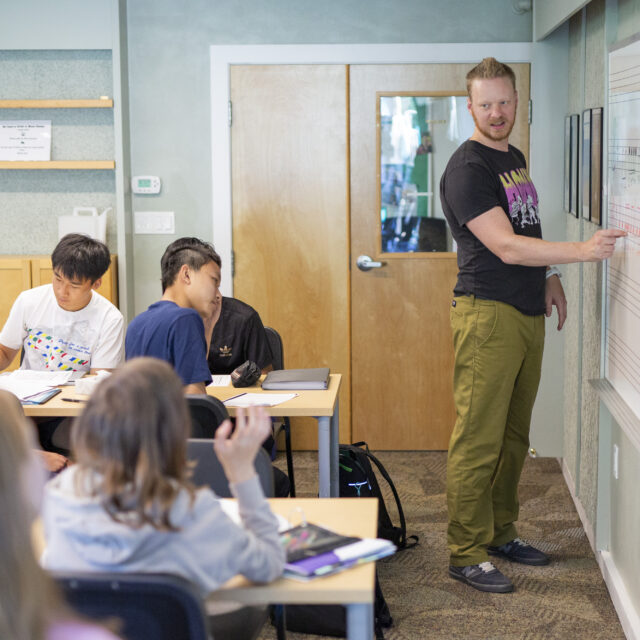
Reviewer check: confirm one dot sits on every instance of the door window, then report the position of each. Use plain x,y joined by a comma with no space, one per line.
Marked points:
417,136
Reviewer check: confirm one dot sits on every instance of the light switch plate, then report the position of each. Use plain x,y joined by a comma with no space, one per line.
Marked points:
154,222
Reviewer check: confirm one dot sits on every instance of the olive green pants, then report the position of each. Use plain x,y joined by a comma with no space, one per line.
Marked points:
498,357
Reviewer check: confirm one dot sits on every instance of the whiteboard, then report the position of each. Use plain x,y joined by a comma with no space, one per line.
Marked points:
622,365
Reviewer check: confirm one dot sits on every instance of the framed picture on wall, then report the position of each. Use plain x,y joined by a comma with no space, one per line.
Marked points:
586,164
567,164
596,165
571,163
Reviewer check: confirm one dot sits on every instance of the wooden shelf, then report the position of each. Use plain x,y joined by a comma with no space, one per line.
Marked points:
58,164
102,103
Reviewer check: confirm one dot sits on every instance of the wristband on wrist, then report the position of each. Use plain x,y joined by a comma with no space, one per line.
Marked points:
553,271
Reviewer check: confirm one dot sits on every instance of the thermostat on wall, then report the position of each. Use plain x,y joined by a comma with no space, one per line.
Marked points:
146,184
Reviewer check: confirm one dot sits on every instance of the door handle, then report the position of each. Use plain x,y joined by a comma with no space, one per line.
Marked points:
365,263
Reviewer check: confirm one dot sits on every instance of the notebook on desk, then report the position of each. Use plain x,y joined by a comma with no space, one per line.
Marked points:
297,379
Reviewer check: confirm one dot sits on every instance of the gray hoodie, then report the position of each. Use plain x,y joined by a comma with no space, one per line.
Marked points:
208,549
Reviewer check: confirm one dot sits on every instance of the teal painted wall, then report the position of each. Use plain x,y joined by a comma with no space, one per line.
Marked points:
34,199
170,87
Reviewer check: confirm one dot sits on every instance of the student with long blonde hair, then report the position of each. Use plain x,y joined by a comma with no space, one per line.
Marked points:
30,606
127,504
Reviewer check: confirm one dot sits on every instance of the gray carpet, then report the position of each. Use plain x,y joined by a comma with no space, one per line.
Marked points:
567,599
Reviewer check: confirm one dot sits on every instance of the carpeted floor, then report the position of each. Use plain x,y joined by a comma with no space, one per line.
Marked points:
566,600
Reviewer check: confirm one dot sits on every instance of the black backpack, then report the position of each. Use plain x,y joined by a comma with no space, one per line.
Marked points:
357,479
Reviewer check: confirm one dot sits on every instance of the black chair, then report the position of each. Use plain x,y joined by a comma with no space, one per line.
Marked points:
277,351
207,413
158,606
208,470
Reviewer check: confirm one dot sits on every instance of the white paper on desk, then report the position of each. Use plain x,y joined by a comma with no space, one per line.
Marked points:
51,378
230,507
26,383
22,390
259,399
219,380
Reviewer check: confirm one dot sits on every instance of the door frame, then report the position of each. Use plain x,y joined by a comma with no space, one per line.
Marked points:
222,57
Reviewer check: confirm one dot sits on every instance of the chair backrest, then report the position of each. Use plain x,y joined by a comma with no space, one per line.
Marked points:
208,470
207,414
158,606
277,350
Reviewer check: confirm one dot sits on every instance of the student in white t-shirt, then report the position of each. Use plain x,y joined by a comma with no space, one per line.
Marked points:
66,325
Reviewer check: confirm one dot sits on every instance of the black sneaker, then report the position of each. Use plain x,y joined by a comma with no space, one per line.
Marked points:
483,576
519,551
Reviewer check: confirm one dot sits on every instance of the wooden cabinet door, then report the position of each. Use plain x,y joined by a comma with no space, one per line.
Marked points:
15,276
42,273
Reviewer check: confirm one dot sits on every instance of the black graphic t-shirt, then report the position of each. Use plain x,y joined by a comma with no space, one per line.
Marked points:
477,179
238,336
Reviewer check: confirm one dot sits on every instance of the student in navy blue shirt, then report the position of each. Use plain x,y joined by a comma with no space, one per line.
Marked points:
178,327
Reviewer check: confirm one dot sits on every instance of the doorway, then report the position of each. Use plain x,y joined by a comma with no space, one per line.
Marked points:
305,192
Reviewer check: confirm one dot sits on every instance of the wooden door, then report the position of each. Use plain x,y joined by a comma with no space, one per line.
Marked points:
290,215
305,205
15,277
402,352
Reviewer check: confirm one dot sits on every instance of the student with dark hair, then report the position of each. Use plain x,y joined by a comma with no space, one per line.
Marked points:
178,327
31,607
128,506
66,325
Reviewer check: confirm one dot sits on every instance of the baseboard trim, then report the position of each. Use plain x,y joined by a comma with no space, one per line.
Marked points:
588,527
627,614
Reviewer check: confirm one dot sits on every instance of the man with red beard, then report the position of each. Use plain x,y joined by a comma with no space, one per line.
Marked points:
505,288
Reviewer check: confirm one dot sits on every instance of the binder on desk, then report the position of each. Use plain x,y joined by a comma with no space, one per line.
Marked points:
313,551
297,379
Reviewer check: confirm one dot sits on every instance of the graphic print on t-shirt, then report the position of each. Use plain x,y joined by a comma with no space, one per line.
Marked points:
58,353
522,198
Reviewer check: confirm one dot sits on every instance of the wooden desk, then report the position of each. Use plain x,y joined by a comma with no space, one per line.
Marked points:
321,405
353,588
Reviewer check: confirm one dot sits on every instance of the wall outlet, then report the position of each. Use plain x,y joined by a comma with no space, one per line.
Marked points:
154,222
615,461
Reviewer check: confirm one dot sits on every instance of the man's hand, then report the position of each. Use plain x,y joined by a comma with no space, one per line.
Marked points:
602,244
554,296
237,452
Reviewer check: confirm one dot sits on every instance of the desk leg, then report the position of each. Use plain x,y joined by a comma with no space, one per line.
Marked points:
334,439
324,454
359,621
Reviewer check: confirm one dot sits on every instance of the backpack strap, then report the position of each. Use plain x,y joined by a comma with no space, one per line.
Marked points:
403,525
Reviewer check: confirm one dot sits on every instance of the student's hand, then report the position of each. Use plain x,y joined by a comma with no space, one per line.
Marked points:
554,296
237,451
602,244
53,462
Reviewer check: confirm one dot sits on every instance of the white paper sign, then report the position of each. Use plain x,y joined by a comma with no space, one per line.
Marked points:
25,140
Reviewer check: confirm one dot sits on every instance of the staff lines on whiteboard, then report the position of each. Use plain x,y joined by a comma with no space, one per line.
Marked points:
623,96
617,359
618,218
624,70
624,289
622,349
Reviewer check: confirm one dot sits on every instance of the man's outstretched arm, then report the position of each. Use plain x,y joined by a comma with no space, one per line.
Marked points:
495,232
